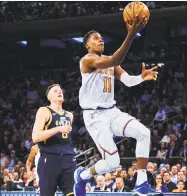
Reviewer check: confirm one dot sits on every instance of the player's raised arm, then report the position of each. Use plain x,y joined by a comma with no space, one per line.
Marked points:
129,81
120,54
95,46
39,134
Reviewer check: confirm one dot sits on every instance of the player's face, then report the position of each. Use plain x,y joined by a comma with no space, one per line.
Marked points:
96,43
56,94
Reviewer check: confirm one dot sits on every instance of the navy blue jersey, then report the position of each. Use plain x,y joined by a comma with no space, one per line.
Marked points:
59,143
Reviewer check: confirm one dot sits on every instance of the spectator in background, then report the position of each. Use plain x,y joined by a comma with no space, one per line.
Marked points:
155,168
6,179
180,187
127,182
162,152
12,160
130,173
165,105
32,96
43,81
16,177
145,97
166,138
120,186
130,178
22,151
167,166
172,151
123,152
162,169
160,116
6,105
159,183
134,165
175,126
155,142
2,158
181,176
174,174
108,180
100,184
168,183
178,165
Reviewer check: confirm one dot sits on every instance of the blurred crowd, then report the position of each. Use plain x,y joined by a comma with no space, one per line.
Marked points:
27,11
163,178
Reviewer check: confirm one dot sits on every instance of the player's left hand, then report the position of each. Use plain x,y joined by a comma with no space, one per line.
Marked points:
149,74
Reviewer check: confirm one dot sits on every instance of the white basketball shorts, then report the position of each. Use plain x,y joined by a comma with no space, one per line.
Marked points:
103,124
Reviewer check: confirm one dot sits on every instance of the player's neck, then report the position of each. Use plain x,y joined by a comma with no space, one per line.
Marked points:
57,106
94,52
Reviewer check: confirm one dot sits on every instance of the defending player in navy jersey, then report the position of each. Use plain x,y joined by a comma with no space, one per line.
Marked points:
51,131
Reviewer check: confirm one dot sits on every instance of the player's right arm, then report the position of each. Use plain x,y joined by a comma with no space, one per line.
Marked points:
102,62
39,134
30,159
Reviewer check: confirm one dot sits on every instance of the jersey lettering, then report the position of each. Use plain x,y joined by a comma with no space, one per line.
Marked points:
107,85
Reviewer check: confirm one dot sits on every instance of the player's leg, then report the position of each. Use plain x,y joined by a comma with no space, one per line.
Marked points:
66,182
109,152
125,125
48,174
98,127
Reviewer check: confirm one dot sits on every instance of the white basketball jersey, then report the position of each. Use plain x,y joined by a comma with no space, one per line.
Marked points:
97,89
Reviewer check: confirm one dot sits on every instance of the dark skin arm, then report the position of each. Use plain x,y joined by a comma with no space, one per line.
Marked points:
147,74
30,160
102,62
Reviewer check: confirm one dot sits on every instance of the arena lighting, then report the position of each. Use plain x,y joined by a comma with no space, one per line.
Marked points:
77,39
23,43
138,35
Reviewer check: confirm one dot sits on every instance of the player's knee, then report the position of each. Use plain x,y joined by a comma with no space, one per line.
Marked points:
147,132
144,134
113,162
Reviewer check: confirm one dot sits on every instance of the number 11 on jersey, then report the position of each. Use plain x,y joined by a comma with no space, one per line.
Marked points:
107,85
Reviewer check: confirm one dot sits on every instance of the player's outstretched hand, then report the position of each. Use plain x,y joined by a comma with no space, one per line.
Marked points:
137,25
149,74
65,129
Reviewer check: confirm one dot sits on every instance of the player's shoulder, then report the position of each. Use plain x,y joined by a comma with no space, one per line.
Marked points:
88,57
43,108
44,111
86,61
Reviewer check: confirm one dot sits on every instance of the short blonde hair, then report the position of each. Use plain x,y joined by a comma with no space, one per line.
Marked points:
50,87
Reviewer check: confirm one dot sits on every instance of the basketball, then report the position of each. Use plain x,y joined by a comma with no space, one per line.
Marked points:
133,9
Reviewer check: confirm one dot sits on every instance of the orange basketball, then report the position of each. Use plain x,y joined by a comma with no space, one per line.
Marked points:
133,9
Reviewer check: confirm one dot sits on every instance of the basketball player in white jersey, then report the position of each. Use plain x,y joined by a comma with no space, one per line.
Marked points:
33,156
102,119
